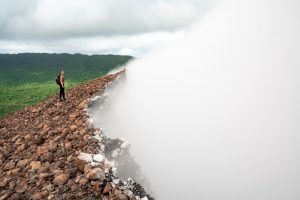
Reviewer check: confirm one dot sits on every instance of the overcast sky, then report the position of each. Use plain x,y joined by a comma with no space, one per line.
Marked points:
95,26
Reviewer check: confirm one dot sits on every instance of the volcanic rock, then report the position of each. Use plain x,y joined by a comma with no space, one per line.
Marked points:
15,171
133,198
122,197
83,181
37,196
43,176
9,165
107,188
48,156
72,117
4,196
79,164
3,182
23,163
21,147
57,172
73,127
42,150
52,146
68,145
61,179
12,184
35,164
21,187
94,174
50,197
28,137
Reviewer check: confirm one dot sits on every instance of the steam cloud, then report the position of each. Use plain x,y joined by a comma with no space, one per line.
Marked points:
216,115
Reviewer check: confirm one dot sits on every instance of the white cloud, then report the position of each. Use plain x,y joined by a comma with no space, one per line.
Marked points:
78,18
94,26
68,17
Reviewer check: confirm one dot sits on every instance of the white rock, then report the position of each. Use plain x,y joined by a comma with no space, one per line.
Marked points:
98,158
144,198
95,98
86,157
102,147
110,163
116,181
94,164
97,137
128,192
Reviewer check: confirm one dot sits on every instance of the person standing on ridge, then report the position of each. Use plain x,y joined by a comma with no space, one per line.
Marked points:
61,79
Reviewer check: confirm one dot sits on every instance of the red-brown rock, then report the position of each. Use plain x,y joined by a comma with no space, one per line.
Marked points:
9,165
23,163
107,188
94,174
73,127
35,164
61,179
21,187
79,164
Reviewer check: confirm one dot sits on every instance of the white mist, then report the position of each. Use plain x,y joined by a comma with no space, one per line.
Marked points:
216,115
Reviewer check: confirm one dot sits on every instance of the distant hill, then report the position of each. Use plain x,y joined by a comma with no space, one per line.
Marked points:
40,67
28,78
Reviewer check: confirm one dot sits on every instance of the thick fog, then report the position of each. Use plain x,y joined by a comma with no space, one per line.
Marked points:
216,115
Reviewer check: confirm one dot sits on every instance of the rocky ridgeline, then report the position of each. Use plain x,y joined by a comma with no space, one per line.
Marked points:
51,151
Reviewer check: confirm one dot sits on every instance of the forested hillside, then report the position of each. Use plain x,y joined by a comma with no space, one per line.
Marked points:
30,77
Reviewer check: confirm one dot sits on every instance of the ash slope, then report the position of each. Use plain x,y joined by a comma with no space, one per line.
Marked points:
42,147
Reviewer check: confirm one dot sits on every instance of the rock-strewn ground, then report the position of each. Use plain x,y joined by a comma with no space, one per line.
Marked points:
41,148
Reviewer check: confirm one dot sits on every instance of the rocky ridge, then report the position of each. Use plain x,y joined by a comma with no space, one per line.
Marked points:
52,151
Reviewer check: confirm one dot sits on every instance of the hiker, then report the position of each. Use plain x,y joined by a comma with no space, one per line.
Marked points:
61,83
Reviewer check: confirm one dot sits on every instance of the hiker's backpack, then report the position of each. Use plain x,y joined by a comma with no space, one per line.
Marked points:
57,80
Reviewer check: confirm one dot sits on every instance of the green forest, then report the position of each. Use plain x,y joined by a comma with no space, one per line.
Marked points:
28,78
